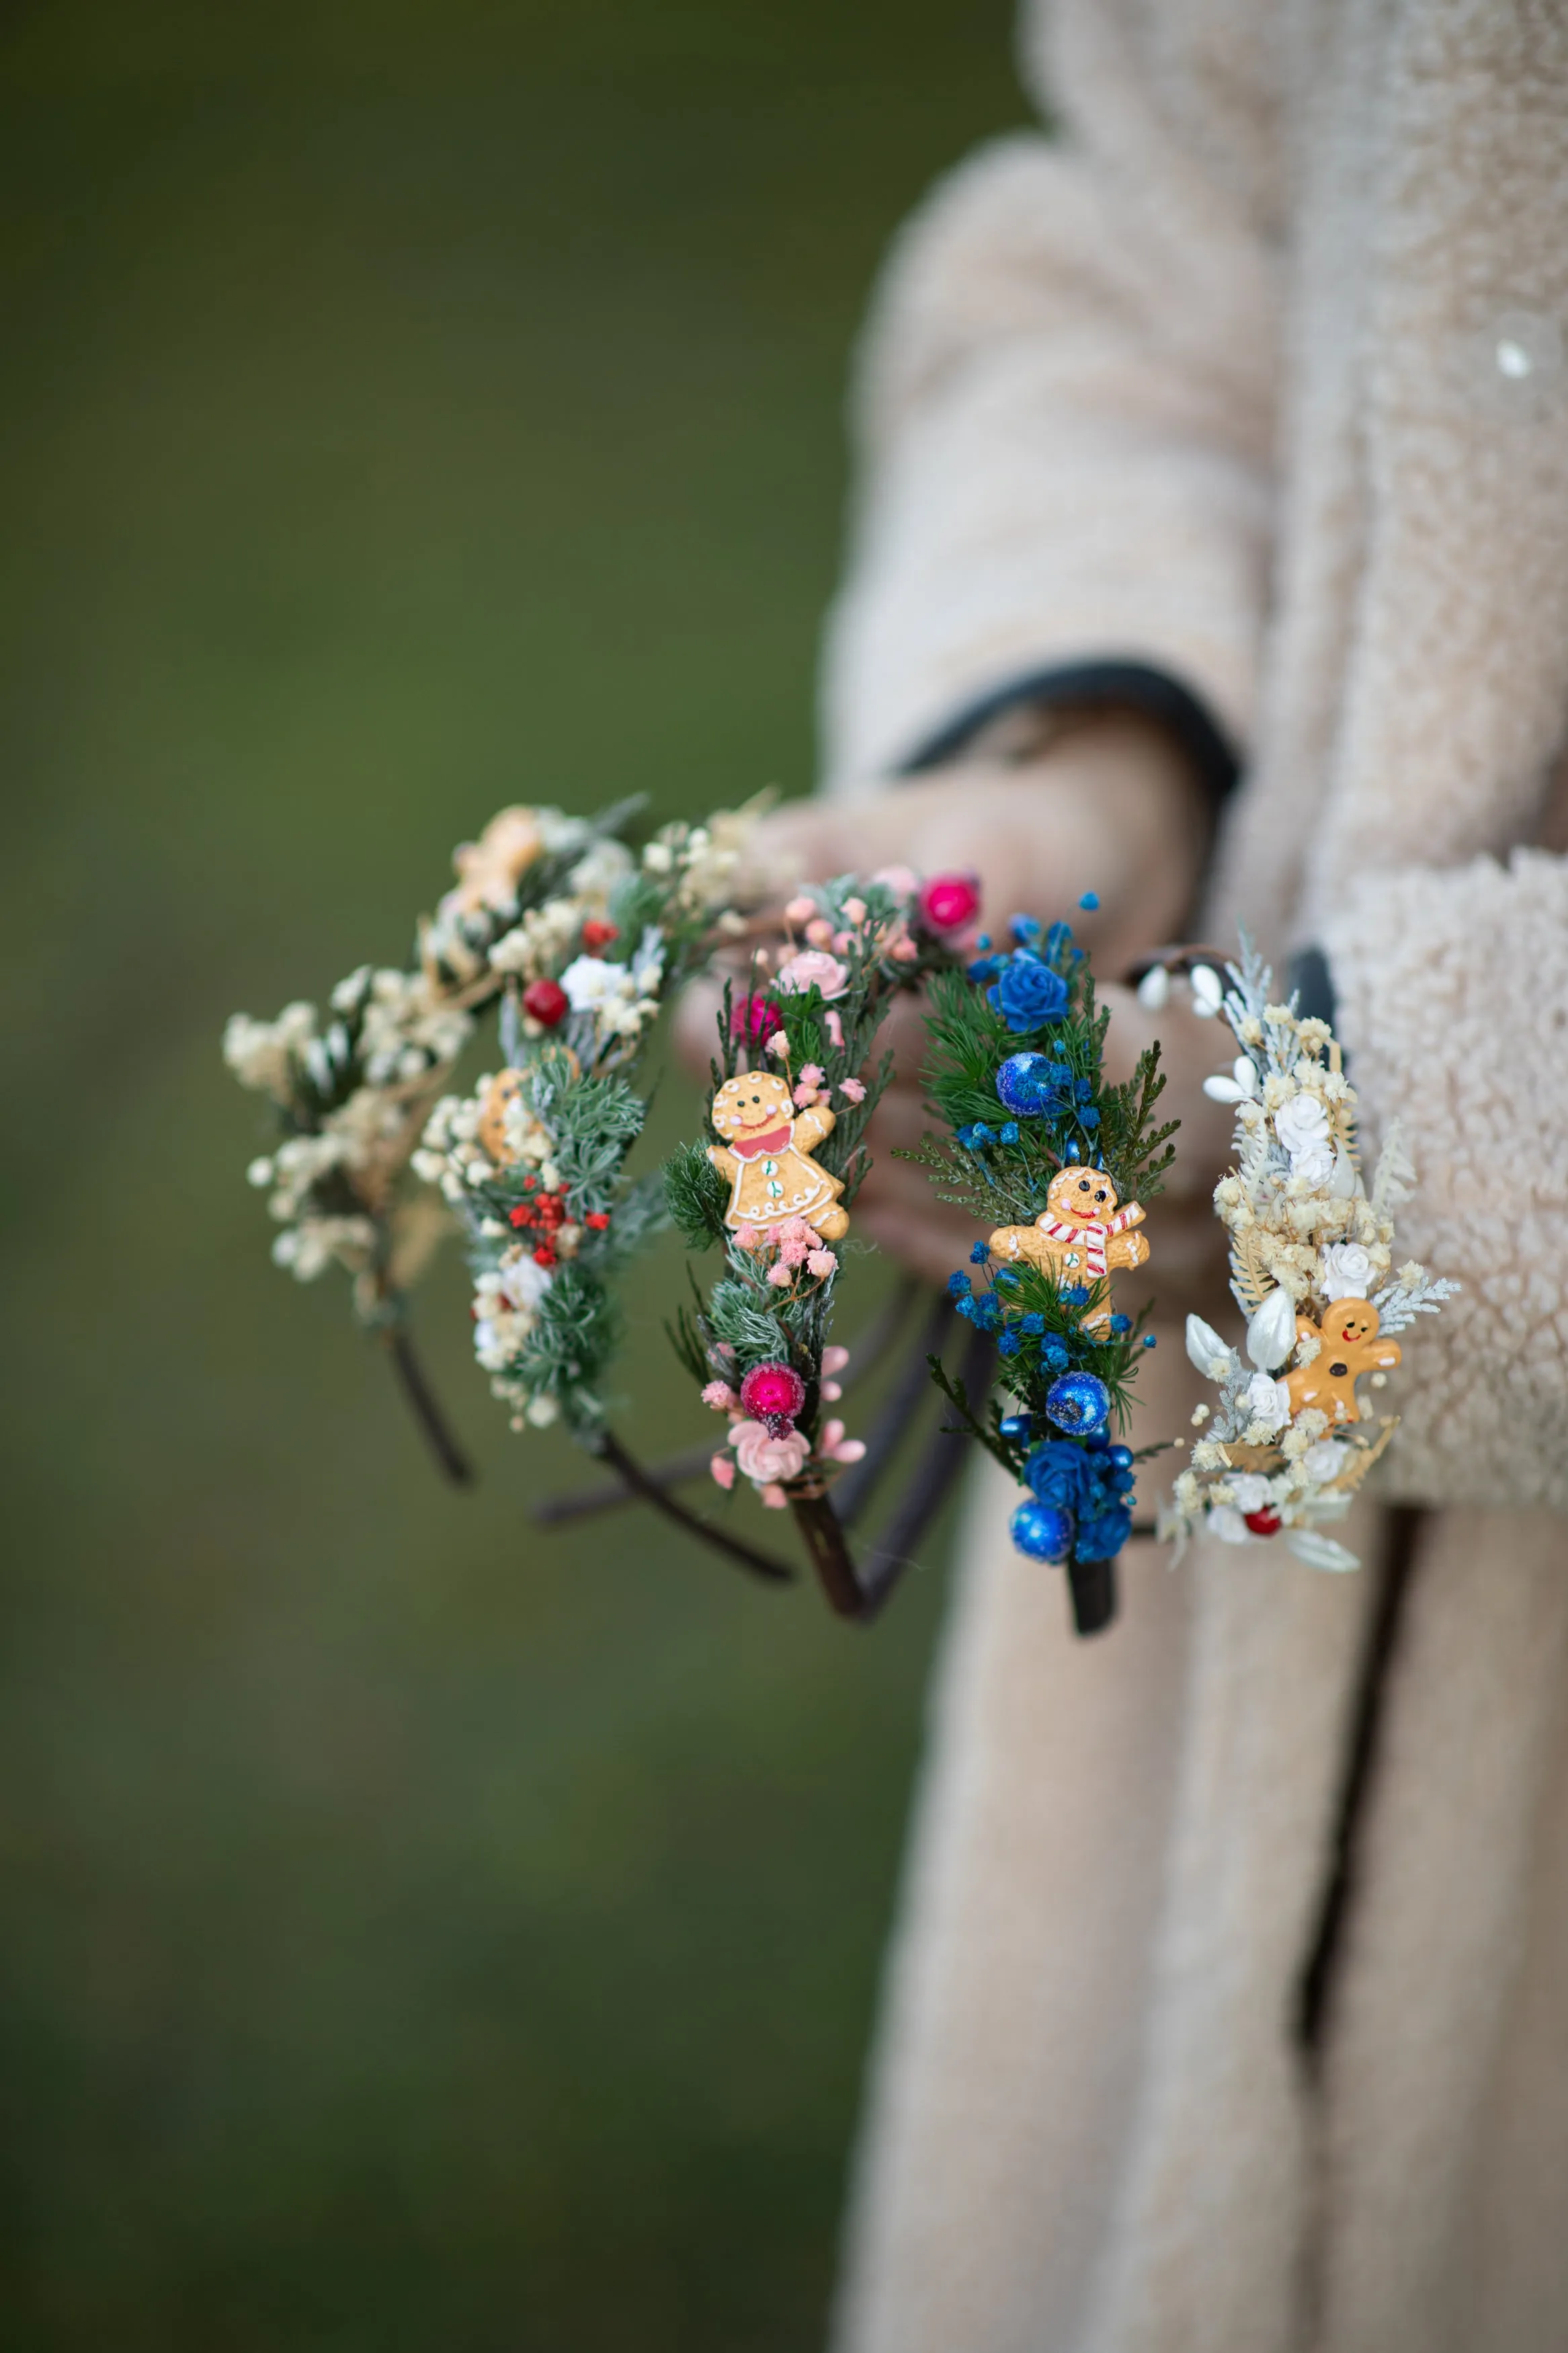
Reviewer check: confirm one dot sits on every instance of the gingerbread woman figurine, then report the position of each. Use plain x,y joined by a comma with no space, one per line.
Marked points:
1348,1345
766,1156
1081,1234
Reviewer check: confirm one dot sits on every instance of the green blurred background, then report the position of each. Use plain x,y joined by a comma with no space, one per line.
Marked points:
417,1934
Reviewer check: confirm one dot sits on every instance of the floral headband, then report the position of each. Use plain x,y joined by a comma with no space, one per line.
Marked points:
1291,1437
577,940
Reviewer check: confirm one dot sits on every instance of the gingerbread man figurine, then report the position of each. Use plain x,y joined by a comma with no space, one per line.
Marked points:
1081,1234
1347,1345
768,1158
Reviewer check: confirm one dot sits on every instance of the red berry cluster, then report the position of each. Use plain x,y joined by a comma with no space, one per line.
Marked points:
544,1214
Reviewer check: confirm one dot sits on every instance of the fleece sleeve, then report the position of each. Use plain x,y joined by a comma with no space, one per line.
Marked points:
1452,991
1066,407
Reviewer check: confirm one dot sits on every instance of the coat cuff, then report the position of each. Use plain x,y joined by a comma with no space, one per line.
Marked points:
1108,682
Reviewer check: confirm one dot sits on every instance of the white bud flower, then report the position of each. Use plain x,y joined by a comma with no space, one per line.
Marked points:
1206,1349
1208,990
1272,1334
1154,988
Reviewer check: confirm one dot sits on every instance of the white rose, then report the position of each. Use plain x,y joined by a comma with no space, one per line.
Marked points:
1347,1271
1268,1400
1249,1491
1303,1123
1315,1167
1227,1523
1324,1461
590,982
525,1281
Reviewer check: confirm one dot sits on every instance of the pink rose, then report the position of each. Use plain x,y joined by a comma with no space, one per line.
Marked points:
724,1471
800,910
765,1458
812,968
819,931
949,901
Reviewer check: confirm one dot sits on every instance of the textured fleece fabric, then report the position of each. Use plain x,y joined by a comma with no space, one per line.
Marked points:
1255,375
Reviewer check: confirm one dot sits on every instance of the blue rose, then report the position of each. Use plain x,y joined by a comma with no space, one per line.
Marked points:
1029,994
1058,1473
1102,1537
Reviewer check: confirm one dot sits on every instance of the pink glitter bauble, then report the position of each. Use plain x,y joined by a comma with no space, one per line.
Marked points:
949,901
773,1394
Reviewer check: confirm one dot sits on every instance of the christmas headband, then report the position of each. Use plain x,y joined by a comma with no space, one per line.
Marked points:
576,941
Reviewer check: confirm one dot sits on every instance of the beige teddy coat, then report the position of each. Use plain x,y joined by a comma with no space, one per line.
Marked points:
1255,375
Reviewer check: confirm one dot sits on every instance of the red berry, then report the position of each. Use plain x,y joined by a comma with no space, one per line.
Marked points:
949,901
521,1215
598,1220
544,1255
546,1002
1263,1524
598,936
772,1393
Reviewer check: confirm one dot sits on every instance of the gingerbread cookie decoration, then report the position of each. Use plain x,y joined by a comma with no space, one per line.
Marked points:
766,1156
1082,1236
1348,1345
488,870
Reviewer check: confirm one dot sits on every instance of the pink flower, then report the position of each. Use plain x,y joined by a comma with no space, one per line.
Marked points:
819,931
822,1262
720,1396
949,901
795,1239
900,880
852,1090
810,1075
901,947
762,1456
841,941
755,1019
831,1392
772,1393
835,1028
800,910
773,1497
779,1044
782,1275
856,910
833,1447
724,1471
835,1358
813,969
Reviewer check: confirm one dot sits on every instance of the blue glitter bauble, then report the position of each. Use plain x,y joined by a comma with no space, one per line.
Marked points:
1078,1402
1024,1083
1042,1531
1014,1425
